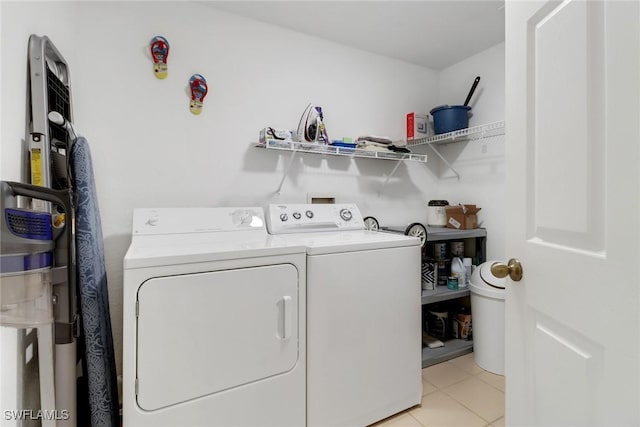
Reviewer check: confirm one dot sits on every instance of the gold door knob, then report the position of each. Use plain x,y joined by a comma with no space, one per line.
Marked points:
513,269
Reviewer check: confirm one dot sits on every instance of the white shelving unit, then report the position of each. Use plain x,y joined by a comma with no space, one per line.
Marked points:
463,135
314,148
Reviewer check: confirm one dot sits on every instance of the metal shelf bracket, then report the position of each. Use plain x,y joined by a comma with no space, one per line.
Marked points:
441,157
386,181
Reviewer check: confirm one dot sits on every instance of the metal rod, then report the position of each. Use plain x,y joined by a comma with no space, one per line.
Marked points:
444,160
395,168
46,368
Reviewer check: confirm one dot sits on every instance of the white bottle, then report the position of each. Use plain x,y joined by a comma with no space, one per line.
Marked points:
468,267
458,270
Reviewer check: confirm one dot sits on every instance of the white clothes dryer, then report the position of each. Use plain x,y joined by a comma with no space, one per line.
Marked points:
363,314
214,321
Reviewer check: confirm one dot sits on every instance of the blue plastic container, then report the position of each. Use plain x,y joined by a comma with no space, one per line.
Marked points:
448,118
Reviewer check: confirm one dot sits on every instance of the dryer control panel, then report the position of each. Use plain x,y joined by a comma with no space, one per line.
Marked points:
196,220
307,218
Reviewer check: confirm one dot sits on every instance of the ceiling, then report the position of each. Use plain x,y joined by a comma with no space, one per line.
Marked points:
430,33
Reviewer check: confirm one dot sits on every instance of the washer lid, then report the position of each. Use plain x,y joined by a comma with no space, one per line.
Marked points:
483,278
348,241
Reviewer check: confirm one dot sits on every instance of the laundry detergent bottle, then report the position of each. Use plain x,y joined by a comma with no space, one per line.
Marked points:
458,270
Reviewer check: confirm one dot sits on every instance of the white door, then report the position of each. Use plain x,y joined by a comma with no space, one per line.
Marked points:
573,191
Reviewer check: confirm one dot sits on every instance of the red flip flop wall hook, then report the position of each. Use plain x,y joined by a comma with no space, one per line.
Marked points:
159,47
199,89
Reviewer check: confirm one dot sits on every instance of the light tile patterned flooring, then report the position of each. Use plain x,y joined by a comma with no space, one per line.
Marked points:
456,393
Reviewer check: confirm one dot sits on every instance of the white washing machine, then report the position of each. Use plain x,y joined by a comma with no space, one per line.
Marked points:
363,314
214,321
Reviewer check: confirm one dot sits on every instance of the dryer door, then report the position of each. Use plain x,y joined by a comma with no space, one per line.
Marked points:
200,334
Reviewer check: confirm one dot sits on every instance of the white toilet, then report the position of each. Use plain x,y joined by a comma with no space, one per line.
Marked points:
487,306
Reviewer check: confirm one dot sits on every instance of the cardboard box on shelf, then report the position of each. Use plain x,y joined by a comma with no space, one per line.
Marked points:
461,328
417,126
462,217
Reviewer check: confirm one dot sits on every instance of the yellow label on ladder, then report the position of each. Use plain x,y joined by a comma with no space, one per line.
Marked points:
36,167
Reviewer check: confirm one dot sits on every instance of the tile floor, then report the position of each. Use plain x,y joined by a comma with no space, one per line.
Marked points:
456,393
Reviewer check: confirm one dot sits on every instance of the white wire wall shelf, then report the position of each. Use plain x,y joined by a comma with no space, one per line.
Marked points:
314,148
308,147
463,135
469,134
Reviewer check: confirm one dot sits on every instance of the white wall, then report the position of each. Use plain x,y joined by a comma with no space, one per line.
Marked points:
480,163
149,150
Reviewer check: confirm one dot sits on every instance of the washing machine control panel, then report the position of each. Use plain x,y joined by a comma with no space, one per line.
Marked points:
301,218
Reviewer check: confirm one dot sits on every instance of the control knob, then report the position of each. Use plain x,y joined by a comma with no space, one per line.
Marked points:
346,215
